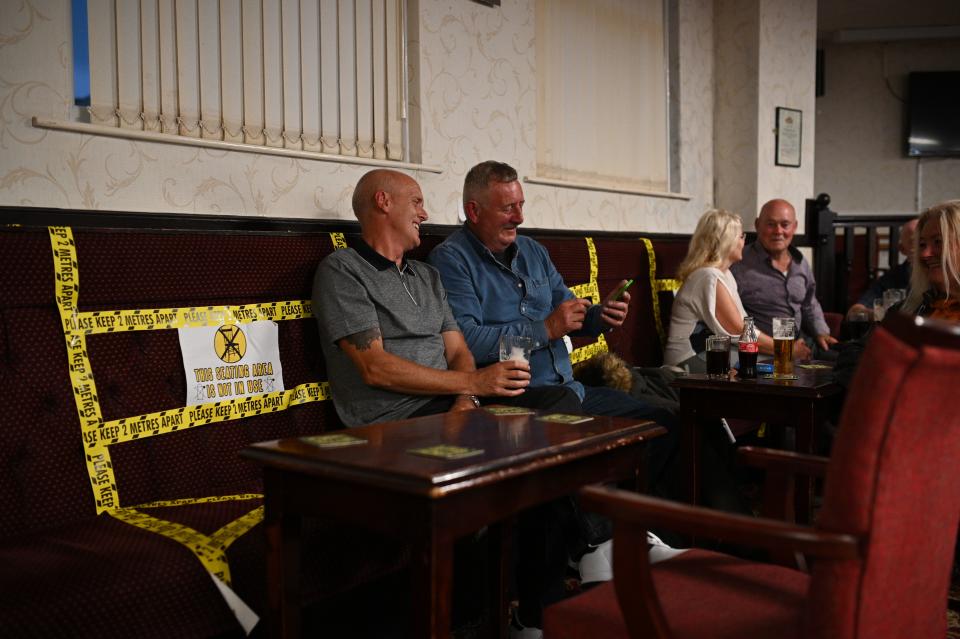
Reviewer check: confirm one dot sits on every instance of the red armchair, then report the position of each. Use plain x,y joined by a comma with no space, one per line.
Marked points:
881,547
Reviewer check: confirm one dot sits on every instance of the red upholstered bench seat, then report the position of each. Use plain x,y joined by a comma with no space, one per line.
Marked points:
132,566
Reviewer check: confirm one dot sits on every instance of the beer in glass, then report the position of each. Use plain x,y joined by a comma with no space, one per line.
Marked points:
784,332
515,347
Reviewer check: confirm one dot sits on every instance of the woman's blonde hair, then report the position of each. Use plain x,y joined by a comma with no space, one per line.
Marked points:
947,215
717,232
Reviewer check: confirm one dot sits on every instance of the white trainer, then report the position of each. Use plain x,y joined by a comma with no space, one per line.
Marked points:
597,564
660,551
518,631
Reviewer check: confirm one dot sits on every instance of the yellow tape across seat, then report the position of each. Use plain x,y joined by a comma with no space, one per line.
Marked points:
592,290
209,549
656,287
98,435
94,322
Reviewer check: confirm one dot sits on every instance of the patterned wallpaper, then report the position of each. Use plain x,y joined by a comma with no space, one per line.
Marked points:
861,161
474,96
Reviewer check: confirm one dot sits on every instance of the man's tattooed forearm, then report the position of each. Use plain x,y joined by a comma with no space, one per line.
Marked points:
362,340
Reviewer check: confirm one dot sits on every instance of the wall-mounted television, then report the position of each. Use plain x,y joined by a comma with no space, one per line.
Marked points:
933,114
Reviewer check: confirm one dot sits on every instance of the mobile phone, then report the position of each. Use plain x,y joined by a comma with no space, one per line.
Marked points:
623,289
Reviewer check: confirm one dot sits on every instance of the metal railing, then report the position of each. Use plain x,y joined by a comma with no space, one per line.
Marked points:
833,266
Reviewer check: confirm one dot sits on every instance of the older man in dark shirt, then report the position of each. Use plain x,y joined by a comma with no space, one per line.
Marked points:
774,280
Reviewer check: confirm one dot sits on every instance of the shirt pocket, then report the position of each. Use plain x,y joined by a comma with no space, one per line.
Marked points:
538,301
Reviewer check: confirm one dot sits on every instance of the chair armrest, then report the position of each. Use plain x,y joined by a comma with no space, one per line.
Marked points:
642,510
783,461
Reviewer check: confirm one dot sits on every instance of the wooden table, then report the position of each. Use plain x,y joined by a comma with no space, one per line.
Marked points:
431,502
803,403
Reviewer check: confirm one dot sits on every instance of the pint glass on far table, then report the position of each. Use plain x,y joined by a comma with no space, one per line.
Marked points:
784,332
718,355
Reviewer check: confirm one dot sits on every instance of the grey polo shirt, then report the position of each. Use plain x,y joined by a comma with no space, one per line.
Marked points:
767,293
356,289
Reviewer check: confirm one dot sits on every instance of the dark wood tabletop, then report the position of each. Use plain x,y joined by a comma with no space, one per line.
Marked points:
429,501
510,444
813,380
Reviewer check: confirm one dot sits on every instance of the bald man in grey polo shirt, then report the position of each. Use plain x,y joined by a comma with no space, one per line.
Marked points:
394,350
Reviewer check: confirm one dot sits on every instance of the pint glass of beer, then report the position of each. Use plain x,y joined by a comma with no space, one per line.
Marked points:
784,332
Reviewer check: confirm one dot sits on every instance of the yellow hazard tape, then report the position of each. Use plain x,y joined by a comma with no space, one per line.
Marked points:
587,289
655,291
339,241
98,435
189,501
94,322
99,465
237,528
167,421
667,285
210,550
592,290
594,267
584,353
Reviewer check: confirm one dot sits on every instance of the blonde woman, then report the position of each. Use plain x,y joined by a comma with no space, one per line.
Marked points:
708,297
935,280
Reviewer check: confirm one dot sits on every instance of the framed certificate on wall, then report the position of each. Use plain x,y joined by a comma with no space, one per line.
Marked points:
789,137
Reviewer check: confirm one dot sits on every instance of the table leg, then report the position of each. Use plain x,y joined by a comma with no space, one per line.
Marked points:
500,554
689,454
689,450
806,438
432,585
283,561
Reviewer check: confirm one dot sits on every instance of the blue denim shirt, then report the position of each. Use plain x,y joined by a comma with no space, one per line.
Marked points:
490,300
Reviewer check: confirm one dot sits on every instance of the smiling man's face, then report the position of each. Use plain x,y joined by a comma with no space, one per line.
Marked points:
775,226
406,211
497,214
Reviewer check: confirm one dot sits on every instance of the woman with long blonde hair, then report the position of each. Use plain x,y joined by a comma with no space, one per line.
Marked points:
708,297
935,278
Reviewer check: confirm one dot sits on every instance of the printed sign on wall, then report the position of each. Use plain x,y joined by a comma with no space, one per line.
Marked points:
230,361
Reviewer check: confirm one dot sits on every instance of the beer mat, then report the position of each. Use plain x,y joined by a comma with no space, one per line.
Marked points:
816,366
446,451
333,440
509,410
563,418
780,377
764,368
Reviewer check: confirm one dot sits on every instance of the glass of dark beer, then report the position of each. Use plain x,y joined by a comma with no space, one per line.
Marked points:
718,355
858,324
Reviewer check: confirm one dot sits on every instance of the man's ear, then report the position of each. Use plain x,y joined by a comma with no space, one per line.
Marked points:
756,224
383,200
472,210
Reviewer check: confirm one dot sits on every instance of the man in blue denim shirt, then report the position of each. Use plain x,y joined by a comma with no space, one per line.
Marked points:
501,283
